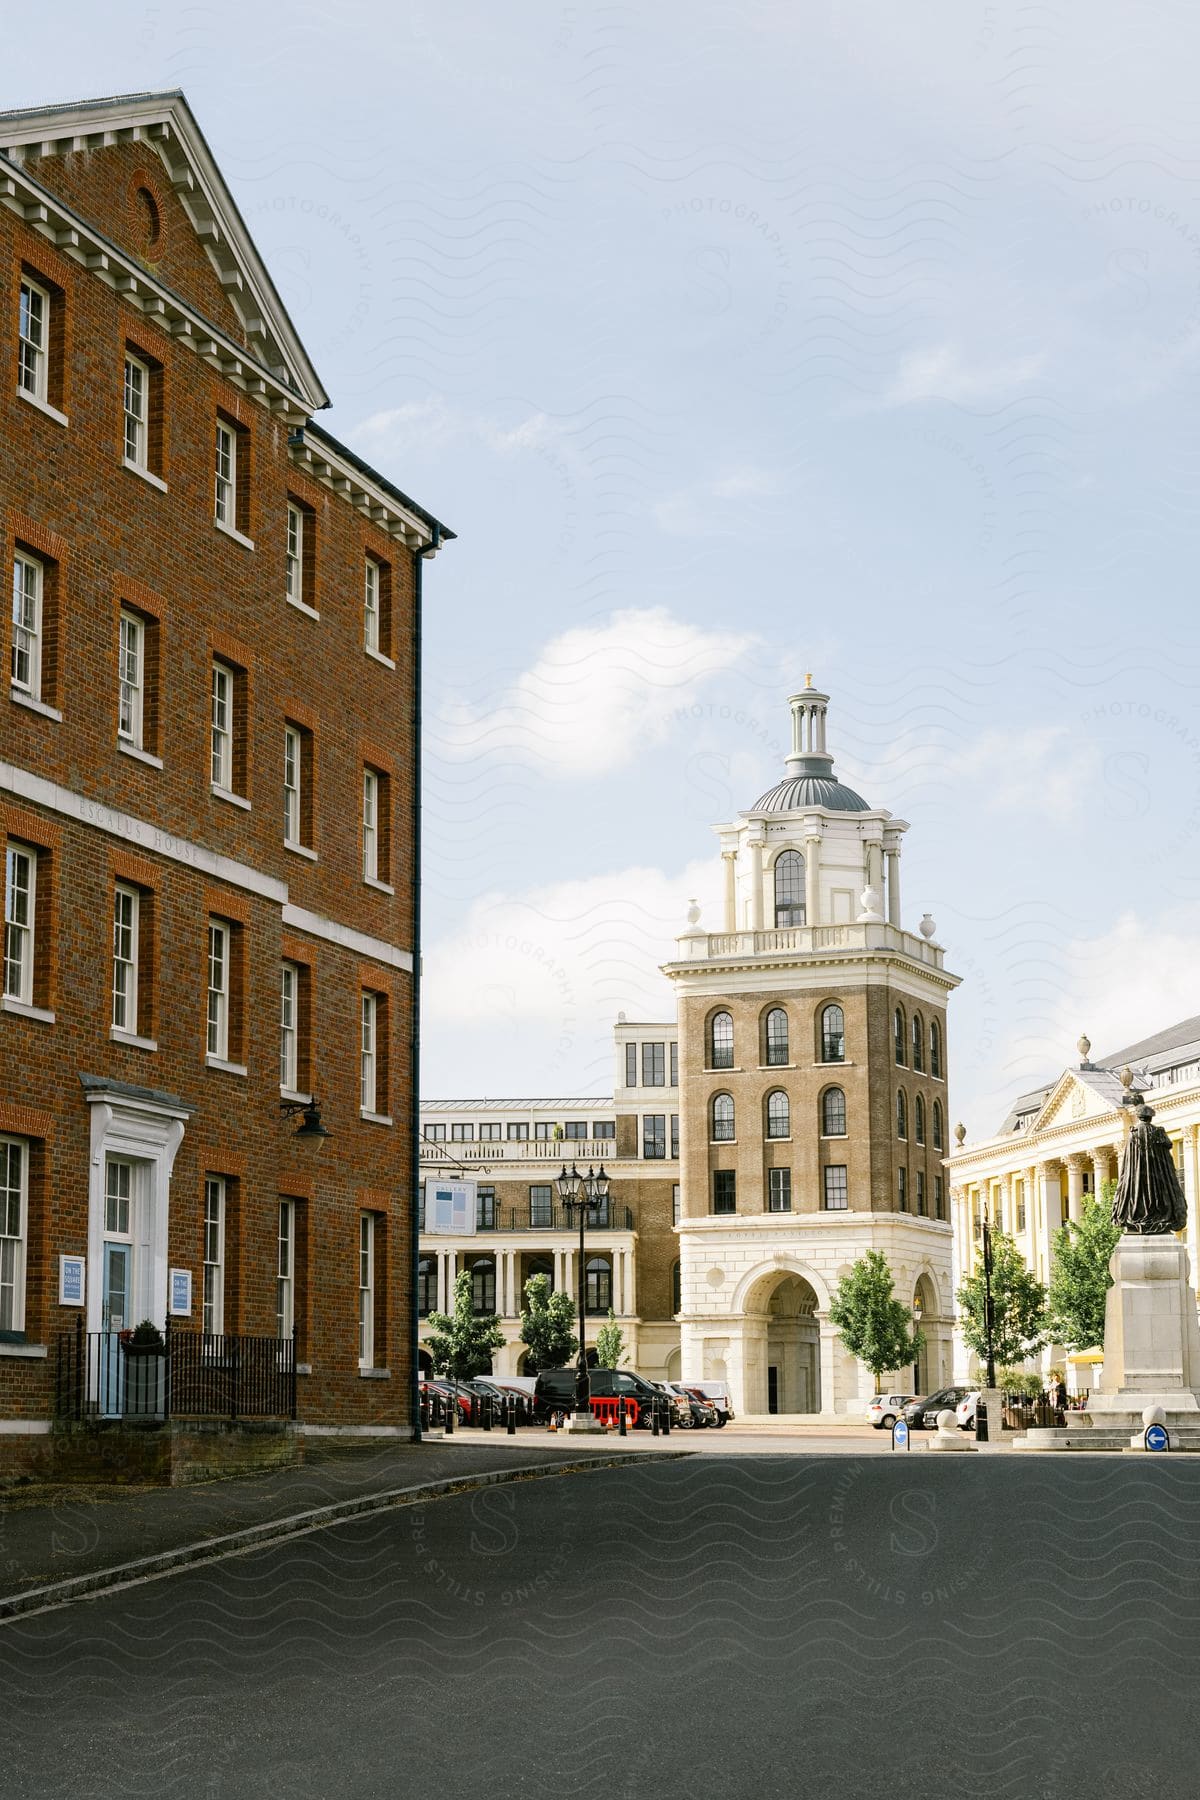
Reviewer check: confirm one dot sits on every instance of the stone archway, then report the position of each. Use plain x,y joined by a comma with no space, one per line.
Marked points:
926,1371
781,1344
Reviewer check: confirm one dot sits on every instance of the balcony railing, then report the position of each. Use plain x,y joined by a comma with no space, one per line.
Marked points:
101,1375
541,1150
548,1219
808,940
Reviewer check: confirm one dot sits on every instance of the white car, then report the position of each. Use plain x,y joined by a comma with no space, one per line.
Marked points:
885,1409
964,1412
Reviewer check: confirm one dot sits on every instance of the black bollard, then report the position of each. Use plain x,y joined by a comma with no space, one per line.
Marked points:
666,1418
622,1429
485,1409
510,1423
654,1418
451,1409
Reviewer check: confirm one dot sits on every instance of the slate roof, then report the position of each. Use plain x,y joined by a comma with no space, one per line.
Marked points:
1176,1044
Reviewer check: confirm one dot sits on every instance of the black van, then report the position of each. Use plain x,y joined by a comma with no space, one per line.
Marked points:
554,1391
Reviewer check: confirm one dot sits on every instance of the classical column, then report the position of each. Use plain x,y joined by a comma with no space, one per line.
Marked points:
1100,1168
754,851
892,859
511,1308
830,1349
1074,1185
1006,1206
1190,1135
875,867
630,1282
729,858
812,879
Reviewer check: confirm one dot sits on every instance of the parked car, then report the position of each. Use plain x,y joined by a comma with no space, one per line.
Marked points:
964,1412
680,1404
699,1410
921,1414
451,1390
555,1391
718,1393
885,1409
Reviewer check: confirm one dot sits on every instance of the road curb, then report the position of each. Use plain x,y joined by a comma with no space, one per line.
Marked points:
272,1531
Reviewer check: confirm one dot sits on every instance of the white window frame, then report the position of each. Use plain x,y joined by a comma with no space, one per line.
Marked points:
293,785
294,556
20,921
370,824
221,717
120,1200
289,1026
137,411
366,1290
33,366
126,933
219,945
225,455
285,1271
14,1226
368,1062
372,590
131,677
28,607
212,1316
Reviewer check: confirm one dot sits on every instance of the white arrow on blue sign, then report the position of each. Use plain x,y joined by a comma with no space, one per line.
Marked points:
1156,1438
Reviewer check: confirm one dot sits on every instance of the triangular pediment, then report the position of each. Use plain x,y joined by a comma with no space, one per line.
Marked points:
163,125
1072,1097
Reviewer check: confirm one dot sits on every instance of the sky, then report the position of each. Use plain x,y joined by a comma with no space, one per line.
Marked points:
737,342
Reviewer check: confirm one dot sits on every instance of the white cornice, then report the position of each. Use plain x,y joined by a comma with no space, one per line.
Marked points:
166,124
322,463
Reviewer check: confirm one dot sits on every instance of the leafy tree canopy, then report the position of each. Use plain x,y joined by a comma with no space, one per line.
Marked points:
1018,1306
1079,1277
461,1342
874,1326
547,1326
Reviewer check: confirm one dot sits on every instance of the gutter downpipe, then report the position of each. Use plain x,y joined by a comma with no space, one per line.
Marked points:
430,549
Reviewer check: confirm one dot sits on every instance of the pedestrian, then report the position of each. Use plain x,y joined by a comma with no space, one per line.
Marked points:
1060,1395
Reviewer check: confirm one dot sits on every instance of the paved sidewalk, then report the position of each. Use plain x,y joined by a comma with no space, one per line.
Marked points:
83,1535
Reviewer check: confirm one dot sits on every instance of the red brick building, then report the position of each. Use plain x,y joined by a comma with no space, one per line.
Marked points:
208,754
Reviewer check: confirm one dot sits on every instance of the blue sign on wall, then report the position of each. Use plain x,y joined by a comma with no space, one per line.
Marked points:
181,1293
71,1273
1156,1438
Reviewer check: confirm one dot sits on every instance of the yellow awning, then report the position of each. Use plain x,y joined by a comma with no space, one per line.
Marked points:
1086,1356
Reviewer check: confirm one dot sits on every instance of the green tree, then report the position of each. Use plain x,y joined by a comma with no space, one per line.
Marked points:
547,1321
1079,1277
1018,1306
461,1342
874,1326
610,1343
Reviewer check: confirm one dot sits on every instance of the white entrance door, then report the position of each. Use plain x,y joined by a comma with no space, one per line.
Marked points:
117,1287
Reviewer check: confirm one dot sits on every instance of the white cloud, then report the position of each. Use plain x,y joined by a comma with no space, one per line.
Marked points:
523,998
942,372
704,510
1050,769
597,696
434,424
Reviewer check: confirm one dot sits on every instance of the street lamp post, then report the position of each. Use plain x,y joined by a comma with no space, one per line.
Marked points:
989,1309
582,1193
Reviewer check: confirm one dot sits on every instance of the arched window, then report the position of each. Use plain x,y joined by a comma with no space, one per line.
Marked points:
676,1289
833,1035
919,1119
597,1295
777,1038
789,889
483,1287
722,1119
935,1051
899,1035
937,1125
833,1113
720,1041
426,1286
779,1115
918,1042
901,1115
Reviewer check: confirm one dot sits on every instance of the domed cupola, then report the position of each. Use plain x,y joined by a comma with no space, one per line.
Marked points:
810,780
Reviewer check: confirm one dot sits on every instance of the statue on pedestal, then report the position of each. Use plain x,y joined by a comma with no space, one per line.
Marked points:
1149,1200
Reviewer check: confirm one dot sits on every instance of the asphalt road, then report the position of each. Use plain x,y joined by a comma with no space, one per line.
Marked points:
715,1626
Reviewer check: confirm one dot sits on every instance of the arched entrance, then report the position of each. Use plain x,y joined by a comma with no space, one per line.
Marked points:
424,1362
926,1373
793,1348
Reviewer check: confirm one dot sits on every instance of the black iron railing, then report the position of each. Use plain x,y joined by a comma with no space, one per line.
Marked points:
193,1374
537,1216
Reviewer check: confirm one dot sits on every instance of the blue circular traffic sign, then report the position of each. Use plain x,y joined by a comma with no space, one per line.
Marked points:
1156,1438
900,1435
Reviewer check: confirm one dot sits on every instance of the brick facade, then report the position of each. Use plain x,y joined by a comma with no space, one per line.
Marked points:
100,811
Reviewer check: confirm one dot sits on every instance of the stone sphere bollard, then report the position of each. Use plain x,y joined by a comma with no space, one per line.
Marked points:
948,1436
1153,1415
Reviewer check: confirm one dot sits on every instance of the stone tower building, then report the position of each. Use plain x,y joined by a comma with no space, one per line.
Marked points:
813,1070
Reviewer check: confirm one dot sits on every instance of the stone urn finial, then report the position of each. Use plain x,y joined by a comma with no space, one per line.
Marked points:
1084,1047
927,927
871,903
693,913
960,1134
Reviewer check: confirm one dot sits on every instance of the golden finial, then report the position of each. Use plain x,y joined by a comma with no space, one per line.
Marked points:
808,680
